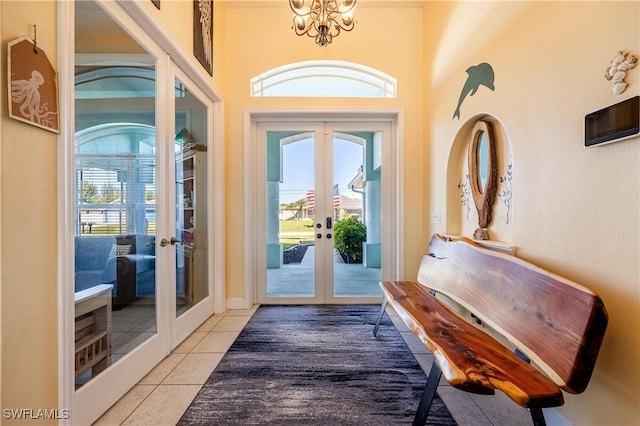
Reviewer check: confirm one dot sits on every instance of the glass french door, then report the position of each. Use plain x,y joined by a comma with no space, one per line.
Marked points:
141,162
190,235
322,214
118,281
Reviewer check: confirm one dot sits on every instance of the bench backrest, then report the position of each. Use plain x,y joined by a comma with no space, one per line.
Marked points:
557,323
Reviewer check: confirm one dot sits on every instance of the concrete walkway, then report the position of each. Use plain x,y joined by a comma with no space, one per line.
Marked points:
297,279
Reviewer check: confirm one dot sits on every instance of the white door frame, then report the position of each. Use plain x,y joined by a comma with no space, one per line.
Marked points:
392,184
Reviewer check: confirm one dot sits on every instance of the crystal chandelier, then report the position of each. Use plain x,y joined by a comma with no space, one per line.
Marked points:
322,19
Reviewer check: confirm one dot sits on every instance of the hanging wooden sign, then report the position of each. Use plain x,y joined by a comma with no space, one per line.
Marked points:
33,91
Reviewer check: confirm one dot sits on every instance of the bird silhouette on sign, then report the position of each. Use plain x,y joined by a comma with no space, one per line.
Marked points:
481,74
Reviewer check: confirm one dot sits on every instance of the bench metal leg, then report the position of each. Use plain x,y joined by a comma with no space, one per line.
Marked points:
382,308
536,413
537,416
428,395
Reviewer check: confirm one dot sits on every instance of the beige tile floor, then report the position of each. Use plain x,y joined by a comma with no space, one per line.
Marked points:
162,396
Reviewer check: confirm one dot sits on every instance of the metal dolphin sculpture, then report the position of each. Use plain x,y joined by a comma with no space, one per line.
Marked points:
481,74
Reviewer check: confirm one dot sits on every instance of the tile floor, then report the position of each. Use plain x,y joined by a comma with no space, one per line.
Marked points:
163,395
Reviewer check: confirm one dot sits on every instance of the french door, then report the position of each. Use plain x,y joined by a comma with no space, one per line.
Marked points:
191,293
322,211
144,181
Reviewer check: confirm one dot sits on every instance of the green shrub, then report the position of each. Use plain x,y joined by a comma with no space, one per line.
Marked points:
349,234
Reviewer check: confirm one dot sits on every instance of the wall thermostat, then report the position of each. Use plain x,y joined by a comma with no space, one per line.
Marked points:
613,123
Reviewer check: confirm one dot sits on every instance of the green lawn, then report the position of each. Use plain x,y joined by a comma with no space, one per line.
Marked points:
305,225
302,230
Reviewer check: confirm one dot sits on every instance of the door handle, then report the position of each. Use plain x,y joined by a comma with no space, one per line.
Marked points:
173,241
329,220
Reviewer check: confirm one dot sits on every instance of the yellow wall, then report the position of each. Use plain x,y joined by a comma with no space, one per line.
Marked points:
575,210
176,16
28,226
258,39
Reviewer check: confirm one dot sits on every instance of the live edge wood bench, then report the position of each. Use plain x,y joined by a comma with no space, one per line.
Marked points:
550,328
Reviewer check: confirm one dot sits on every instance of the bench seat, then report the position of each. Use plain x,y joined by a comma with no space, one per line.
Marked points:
494,321
470,359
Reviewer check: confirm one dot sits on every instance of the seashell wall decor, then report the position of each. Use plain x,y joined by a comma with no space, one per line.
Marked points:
617,70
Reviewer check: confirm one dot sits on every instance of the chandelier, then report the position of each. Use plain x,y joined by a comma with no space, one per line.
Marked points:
322,19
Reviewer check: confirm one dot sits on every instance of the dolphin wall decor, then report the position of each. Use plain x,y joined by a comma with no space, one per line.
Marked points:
481,74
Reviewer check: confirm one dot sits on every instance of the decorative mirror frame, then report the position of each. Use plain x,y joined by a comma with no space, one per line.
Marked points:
483,197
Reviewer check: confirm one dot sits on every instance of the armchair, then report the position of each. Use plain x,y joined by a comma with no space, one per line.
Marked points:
126,261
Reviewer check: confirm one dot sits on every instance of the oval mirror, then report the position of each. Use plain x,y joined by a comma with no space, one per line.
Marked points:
483,170
482,158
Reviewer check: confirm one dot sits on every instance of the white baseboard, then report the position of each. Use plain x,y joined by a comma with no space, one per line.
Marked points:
238,303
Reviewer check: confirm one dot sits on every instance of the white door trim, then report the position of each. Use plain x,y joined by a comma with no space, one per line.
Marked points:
392,183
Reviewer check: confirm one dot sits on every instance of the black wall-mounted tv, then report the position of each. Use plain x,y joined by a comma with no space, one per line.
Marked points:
613,123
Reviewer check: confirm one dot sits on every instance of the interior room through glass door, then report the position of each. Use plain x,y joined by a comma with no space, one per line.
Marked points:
191,202
117,334
141,207
189,238
115,198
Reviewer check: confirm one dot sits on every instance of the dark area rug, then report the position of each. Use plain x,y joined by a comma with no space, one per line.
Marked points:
315,365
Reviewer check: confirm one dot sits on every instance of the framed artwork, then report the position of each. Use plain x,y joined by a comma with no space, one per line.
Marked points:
156,3
33,90
203,33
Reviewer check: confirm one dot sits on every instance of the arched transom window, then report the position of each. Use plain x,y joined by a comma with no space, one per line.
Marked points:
324,79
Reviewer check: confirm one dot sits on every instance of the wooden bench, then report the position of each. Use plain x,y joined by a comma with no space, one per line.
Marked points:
467,298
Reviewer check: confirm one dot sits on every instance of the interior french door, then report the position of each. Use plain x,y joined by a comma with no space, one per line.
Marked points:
319,179
143,127
127,158
188,239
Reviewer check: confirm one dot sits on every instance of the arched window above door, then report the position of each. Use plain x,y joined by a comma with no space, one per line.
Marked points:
337,79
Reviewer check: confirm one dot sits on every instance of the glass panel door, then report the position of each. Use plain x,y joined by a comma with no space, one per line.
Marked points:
356,202
191,199
115,193
290,214
322,216
118,295
189,235
141,208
